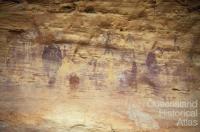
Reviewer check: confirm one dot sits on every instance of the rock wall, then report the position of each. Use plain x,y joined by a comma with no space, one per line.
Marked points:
88,65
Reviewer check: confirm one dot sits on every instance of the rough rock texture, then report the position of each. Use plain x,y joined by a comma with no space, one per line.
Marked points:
92,65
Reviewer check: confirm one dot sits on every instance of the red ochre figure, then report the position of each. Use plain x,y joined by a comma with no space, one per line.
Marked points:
74,81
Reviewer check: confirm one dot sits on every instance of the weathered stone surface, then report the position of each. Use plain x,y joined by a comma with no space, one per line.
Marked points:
93,65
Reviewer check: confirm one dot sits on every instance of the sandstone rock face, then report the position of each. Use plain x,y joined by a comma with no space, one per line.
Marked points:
94,65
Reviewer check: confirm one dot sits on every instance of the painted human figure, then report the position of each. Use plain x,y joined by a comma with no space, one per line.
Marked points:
93,62
176,47
130,39
123,81
12,57
133,76
128,78
74,81
107,42
64,52
151,63
153,71
52,60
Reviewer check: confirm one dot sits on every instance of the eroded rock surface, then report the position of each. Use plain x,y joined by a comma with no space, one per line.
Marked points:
93,65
